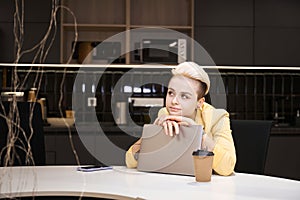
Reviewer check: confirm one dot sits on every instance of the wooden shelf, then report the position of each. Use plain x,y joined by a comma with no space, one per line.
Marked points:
94,27
95,11
168,27
161,13
98,20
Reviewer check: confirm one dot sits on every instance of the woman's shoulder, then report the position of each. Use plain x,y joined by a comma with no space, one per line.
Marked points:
208,108
214,116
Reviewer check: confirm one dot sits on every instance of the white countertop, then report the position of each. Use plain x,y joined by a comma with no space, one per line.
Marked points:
123,183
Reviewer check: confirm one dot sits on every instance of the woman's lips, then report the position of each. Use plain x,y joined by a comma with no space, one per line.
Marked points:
174,109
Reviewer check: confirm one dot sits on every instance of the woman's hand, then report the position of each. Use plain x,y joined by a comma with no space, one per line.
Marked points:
207,143
136,146
171,123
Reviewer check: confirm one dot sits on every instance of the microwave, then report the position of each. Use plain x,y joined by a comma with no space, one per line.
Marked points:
169,51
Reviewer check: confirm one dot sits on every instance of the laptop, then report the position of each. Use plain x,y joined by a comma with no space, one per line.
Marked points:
165,154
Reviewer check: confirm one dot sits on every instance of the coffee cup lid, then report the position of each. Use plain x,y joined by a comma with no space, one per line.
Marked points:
201,152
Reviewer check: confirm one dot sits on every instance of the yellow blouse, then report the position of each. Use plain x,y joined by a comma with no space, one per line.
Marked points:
216,125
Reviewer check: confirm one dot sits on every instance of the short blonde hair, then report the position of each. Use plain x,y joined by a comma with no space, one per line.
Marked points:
194,71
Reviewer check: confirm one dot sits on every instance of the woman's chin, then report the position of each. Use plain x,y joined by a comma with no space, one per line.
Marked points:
175,113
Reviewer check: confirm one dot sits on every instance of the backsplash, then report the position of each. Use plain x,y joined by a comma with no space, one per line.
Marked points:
263,95
268,95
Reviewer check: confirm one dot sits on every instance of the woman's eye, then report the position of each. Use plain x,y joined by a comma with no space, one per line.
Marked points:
184,96
170,93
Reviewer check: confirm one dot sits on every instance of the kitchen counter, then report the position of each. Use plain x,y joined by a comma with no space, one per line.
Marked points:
289,130
62,124
65,124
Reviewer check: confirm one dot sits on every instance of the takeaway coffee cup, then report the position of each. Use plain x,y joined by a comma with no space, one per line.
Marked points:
203,165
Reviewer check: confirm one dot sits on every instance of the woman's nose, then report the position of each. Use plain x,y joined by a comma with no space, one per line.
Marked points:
174,100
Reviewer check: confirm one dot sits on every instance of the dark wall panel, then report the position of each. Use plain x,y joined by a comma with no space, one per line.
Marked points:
224,13
227,45
34,33
37,19
6,42
34,10
282,13
38,11
277,46
275,27
7,10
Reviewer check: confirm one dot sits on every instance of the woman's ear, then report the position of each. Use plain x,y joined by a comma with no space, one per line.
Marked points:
200,102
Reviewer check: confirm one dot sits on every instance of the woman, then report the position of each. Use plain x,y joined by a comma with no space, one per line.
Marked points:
185,105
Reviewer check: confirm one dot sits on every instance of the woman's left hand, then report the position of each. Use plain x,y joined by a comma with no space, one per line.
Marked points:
171,123
207,143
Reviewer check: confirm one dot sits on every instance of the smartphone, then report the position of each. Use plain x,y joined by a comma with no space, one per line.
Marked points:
92,168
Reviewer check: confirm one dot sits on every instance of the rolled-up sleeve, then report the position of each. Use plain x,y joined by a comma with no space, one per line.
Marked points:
131,162
225,156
